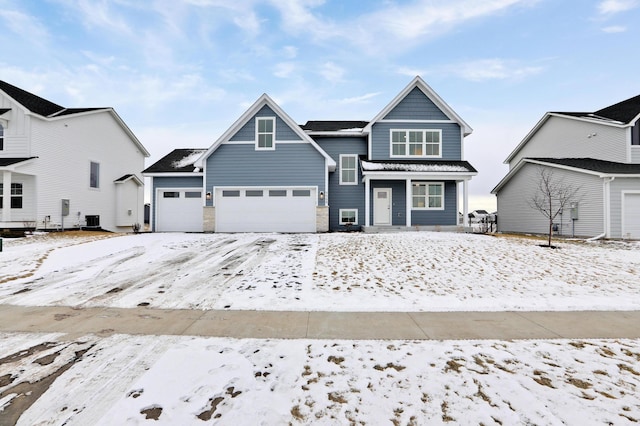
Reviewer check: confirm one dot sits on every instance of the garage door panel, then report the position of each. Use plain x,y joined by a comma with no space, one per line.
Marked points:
631,216
265,210
179,210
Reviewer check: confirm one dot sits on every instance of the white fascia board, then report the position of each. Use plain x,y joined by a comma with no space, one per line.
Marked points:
431,94
418,175
335,133
172,174
248,114
135,178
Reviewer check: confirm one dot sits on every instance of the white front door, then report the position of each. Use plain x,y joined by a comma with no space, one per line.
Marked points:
382,206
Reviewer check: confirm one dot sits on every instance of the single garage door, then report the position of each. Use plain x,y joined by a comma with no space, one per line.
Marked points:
631,216
265,209
179,210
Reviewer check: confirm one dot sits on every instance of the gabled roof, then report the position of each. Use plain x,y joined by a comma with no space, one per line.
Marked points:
431,94
625,111
333,126
249,113
32,102
129,177
591,166
177,161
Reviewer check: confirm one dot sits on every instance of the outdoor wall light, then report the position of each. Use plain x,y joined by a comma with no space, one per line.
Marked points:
208,196
322,195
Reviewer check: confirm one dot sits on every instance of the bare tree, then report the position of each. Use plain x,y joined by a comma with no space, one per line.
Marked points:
552,196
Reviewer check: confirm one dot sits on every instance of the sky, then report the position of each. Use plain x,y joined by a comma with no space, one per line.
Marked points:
180,72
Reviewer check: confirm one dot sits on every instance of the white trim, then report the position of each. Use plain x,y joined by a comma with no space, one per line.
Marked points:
367,201
340,211
258,133
172,174
407,143
355,169
415,121
622,212
408,201
427,196
390,199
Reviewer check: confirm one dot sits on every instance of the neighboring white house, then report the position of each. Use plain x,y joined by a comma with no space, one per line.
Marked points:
599,153
67,167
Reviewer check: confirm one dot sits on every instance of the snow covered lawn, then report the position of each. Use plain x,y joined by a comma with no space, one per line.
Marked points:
189,380
336,272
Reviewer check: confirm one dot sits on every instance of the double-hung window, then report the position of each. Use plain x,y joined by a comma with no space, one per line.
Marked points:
416,143
265,132
428,196
16,195
348,169
348,217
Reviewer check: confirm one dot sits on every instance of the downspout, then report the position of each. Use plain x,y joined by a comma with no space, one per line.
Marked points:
607,206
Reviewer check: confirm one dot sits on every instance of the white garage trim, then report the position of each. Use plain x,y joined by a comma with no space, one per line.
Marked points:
265,209
631,214
179,213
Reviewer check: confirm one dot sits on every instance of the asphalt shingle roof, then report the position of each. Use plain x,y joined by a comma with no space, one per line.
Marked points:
177,161
600,166
11,161
624,111
416,165
32,102
332,126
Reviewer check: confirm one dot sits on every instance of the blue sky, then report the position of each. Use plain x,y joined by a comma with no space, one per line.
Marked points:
181,72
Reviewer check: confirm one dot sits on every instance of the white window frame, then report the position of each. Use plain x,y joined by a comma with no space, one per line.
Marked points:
342,222
426,195
407,143
97,186
272,133
355,169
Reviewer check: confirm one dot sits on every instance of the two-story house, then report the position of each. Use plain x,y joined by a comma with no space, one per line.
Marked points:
404,168
67,167
596,153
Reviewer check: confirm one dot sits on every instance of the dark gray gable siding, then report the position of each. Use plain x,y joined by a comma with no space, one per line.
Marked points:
416,106
344,196
291,164
381,139
172,182
248,131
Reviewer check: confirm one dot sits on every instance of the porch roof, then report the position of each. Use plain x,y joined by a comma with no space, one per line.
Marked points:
4,162
420,166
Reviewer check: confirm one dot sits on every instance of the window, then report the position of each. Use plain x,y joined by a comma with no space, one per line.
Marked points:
16,196
254,193
348,170
301,193
193,194
416,143
170,194
277,193
265,132
428,196
348,216
1,137
230,193
94,175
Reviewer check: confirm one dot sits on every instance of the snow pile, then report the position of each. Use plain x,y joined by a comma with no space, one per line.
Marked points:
188,160
409,167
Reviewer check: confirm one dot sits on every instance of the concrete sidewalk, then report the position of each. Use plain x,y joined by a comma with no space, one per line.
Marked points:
323,325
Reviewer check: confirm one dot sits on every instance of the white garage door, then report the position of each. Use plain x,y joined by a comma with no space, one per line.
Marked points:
265,209
179,210
631,216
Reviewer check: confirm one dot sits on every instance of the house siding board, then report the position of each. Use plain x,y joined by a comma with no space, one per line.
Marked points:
416,106
617,187
635,154
381,139
562,137
448,216
247,133
515,213
16,130
344,196
295,164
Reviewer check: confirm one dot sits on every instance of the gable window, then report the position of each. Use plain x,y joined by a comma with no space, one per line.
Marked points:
94,175
348,170
416,143
265,132
428,196
16,195
348,217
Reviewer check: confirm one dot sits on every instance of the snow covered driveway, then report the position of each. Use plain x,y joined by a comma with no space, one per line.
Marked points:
337,272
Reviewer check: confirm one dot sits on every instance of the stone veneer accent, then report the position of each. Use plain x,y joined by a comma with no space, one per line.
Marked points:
322,219
209,219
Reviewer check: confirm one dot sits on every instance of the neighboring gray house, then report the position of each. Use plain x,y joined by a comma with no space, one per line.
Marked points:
404,168
597,152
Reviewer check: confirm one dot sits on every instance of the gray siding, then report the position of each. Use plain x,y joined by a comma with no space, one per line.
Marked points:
248,132
416,106
448,216
635,154
617,186
381,139
516,215
344,196
293,164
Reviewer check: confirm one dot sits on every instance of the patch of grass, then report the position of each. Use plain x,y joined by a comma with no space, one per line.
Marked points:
625,367
454,365
337,397
579,383
335,359
297,414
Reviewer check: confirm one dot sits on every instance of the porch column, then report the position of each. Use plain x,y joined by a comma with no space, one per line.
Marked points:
465,203
6,196
367,202
409,202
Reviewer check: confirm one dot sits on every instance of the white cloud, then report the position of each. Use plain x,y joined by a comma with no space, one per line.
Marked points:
360,99
284,69
610,7
493,69
25,26
614,29
290,52
332,72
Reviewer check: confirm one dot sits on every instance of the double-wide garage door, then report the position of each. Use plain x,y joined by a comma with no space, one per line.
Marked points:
631,215
265,209
179,210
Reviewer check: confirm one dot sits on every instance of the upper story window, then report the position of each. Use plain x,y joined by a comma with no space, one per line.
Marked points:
416,143
428,196
94,175
348,170
1,137
16,195
265,132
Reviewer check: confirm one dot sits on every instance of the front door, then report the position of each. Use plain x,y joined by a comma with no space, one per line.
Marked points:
382,206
